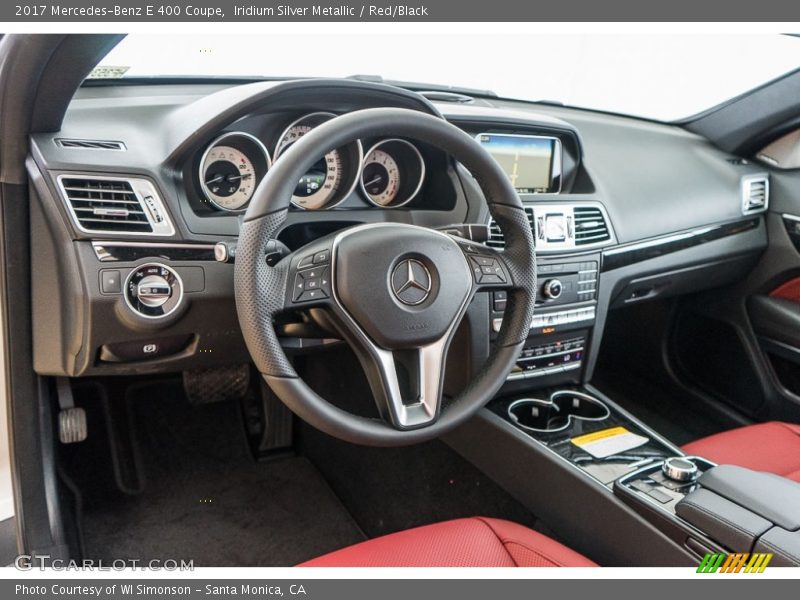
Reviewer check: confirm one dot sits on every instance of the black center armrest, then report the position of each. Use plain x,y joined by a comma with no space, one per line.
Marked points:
772,497
722,520
747,511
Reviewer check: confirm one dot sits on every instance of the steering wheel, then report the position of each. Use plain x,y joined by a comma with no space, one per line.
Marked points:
395,292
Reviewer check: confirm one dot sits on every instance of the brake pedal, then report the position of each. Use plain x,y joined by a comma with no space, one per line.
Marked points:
72,426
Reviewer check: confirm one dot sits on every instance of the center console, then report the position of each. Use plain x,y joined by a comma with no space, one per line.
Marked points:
700,507
562,324
612,486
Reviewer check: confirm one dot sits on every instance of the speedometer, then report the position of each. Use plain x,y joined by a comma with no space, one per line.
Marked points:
320,183
329,180
231,168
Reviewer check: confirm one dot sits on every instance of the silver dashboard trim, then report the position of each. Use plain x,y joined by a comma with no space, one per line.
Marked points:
140,314
97,246
744,187
565,206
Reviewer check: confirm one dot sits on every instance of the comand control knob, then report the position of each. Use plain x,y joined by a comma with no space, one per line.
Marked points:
680,469
552,288
153,290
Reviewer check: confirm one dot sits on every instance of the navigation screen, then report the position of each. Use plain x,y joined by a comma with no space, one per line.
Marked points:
527,160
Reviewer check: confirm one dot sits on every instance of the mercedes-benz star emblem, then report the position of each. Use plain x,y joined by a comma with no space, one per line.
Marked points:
411,282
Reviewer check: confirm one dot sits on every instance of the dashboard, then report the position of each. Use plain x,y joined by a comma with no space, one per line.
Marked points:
136,204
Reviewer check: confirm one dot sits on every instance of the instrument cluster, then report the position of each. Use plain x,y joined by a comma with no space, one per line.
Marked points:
390,174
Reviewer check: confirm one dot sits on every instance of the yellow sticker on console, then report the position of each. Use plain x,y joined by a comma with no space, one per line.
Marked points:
607,442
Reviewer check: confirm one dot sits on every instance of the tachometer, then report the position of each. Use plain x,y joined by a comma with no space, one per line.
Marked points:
393,173
331,179
231,168
380,177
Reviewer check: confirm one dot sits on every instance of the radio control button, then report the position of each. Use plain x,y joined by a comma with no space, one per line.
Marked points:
553,288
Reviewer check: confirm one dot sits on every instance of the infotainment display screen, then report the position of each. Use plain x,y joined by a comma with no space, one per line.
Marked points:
533,163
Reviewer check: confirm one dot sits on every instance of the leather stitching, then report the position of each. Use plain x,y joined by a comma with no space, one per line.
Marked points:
718,517
506,541
538,553
781,551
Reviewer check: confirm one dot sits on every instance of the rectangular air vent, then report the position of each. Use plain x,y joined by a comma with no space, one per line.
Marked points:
115,205
590,226
755,193
496,238
90,144
560,227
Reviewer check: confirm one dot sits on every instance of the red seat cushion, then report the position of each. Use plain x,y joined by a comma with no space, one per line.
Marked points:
773,447
474,542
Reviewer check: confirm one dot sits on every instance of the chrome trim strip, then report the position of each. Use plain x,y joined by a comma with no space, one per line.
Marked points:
120,146
674,237
124,244
97,246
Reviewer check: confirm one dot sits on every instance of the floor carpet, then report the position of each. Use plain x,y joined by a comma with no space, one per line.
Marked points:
205,499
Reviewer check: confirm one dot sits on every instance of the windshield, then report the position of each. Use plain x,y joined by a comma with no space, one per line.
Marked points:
662,77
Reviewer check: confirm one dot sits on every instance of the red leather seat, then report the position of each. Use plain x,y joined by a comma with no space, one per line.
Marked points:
474,542
773,447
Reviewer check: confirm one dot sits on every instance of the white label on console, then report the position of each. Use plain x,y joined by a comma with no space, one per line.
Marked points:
607,442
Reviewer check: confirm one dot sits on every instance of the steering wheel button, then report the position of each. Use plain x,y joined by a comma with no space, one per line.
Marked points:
306,261
310,295
490,279
311,284
322,257
298,288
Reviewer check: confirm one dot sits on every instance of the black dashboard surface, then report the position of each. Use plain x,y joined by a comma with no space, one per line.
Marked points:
650,181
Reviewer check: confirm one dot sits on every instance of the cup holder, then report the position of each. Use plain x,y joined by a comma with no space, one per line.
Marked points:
557,413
